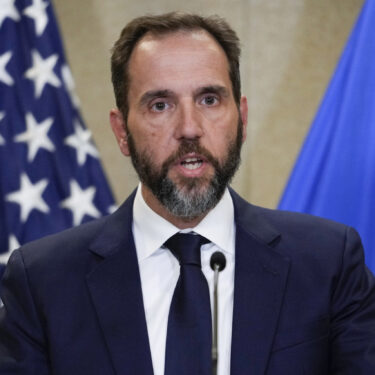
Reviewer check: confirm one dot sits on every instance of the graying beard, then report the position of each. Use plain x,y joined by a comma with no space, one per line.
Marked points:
188,205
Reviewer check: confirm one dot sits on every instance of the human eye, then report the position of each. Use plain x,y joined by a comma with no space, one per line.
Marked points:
210,100
159,106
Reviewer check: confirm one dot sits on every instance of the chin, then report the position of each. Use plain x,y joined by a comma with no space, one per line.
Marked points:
196,185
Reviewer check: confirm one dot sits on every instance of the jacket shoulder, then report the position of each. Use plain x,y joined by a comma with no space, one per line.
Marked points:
73,244
298,230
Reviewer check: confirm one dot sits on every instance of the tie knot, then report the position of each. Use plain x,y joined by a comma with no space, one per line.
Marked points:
186,247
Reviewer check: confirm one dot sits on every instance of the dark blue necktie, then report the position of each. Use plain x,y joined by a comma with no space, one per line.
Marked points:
189,333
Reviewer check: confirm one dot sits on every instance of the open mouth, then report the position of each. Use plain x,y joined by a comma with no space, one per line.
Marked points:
192,163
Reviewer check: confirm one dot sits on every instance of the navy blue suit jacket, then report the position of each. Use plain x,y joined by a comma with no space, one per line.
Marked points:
304,302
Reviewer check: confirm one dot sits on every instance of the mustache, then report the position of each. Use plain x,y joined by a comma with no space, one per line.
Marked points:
189,146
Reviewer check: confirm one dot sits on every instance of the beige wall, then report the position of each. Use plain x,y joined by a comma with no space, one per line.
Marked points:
290,49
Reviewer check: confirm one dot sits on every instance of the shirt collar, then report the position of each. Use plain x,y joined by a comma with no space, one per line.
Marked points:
153,230
218,225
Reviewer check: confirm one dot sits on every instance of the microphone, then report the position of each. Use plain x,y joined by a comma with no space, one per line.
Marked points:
217,263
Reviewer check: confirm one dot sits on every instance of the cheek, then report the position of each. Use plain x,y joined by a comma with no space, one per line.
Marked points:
151,128
158,123
153,144
223,131
145,135
217,115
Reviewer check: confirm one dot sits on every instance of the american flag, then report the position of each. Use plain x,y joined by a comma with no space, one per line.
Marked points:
50,173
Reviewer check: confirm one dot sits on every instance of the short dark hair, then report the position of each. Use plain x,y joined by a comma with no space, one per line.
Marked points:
164,24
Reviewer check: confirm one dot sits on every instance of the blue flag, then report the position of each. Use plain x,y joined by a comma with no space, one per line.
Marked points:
334,176
50,173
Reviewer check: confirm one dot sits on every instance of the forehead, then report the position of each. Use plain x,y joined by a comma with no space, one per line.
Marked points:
198,38
178,56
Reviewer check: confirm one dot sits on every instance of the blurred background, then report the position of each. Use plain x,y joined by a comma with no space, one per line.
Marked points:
289,52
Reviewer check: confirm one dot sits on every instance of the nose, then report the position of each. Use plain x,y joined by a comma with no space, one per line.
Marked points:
189,124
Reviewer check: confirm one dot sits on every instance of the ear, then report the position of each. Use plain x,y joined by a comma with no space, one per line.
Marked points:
118,127
243,114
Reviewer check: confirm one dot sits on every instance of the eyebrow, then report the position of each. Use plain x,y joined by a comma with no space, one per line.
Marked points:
150,95
215,89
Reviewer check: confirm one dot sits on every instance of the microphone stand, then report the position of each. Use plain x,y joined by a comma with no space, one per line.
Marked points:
214,353
217,263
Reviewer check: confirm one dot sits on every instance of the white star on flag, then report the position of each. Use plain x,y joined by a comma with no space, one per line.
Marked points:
37,11
4,75
2,140
4,257
42,73
112,208
8,9
36,136
80,202
81,141
13,245
70,85
29,196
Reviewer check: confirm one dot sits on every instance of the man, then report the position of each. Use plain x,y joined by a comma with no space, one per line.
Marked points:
295,296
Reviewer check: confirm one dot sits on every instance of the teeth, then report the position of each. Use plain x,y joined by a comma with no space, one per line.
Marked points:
191,160
192,163
193,166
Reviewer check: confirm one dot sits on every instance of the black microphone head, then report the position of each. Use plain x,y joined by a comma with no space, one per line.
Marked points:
218,258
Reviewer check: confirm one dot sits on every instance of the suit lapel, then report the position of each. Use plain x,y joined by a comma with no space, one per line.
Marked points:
260,281
115,288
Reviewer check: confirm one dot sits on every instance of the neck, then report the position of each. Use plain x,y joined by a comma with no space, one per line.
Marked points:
156,206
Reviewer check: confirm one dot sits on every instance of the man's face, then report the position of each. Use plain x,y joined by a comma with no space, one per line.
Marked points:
184,130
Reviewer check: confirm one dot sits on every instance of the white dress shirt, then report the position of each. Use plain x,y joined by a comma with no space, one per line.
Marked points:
159,271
